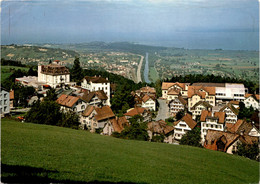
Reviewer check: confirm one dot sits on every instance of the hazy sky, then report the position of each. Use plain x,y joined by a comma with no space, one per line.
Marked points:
25,21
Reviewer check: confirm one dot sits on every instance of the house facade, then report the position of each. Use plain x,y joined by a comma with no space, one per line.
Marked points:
176,105
231,113
252,100
148,102
174,86
199,107
71,103
4,102
182,126
210,121
96,84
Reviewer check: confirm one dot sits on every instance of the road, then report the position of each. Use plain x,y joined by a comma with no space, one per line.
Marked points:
139,78
163,112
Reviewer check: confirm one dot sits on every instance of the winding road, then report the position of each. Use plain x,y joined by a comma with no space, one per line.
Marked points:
139,78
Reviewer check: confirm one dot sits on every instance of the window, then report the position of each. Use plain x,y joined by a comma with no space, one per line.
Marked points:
5,102
83,107
5,95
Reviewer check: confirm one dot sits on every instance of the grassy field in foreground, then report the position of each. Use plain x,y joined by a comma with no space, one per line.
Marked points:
43,153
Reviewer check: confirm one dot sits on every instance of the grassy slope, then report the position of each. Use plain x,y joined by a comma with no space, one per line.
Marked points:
77,155
5,71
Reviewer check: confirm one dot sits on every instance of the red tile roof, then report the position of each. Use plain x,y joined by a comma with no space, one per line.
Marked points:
231,107
204,115
88,96
221,116
66,100
89,109
167,85
146,98
188,120
119,123
199,90
147,89
135,111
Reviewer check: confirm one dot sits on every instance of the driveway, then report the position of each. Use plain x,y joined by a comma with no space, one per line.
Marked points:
163,112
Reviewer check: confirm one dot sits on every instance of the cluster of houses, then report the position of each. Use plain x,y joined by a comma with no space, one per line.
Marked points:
214,105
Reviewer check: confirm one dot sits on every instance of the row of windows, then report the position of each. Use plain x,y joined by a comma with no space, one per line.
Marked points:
211,126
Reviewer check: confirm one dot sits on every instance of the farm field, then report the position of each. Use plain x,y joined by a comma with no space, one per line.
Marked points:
6,71
153,75
34,153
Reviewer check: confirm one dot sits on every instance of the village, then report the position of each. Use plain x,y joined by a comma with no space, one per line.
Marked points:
211,107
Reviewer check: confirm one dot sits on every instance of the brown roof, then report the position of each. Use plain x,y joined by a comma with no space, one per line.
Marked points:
119,123
221,116
87,96
147,89
173,92
205,84
12,95
255,96
199,90
89,109
135,111
104,112
184,102
96,79
234,102
54,69
188,120
227,138
204,103
231,107
159,127
66,100
146,98
167,85
204,115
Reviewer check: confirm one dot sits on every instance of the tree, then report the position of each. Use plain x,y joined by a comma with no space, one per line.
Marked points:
136,131
179,114
46,112
245,112
192,138
32,72
76,71
248,150
69,119
51,95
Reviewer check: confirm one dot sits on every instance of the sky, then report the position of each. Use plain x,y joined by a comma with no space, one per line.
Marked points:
180,23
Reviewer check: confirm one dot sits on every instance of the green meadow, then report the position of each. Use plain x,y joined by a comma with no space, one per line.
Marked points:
6,71
41,153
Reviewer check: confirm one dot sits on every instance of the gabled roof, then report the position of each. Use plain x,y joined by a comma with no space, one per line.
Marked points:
233,102
240,125
255,96
167,85
66,100
119,123
135,111
146,98
221,116
159,127
89,109
208,114
199,90
204,103
88,96
188,120
231,107
104,112
96,79
148,89
173,92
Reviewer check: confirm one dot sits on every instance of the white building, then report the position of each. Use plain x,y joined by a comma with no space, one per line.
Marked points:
182,126
176,105
148,102
181,88
96,84
53,74
231,113
4,102
252,100
210,122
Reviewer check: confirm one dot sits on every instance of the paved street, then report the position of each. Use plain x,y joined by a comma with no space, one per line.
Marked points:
139,78
163,112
